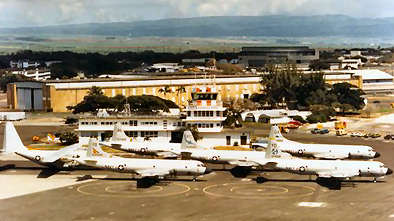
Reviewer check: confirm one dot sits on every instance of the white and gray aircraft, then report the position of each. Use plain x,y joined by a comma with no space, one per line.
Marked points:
327,169
150,170
322,151
55,159
121,141
243,161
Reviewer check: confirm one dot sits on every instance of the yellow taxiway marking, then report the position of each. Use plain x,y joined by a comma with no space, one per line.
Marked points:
81,189
275,195
154,189
284,190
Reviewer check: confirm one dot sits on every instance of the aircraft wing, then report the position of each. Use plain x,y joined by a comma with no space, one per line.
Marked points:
60,153
331,156
338,174
166,154
153,172
243,163
266,163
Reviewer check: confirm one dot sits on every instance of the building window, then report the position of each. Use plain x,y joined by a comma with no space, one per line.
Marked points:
217,113
131,133
228,140
149,133
189,113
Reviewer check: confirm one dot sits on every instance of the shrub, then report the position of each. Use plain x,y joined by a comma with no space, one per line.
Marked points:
68,138
317,117
300,119
71,120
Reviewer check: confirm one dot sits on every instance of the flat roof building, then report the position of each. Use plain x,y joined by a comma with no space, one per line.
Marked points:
63,93
260,56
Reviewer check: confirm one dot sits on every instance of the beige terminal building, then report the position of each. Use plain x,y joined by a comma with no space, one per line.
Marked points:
56,95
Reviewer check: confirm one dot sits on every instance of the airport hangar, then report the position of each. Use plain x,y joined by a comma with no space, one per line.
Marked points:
56,95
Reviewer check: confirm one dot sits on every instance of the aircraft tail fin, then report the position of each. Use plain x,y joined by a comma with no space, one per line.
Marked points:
272,147
94,148
188,140
11,141
275,132
119,134
91,144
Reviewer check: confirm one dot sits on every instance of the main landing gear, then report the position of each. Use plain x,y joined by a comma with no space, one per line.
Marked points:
146,182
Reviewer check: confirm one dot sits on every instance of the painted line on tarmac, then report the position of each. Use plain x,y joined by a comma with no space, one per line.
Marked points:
153,189
276,195
81,189
312,204
262,189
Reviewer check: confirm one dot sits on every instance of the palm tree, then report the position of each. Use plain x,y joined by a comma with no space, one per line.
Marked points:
166,90
180,90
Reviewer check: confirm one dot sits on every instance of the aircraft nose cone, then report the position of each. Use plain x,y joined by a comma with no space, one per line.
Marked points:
377,154
208,171
389,171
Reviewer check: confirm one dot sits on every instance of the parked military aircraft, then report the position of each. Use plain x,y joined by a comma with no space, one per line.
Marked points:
335,170
243,160
322,151
55,159
150,170
121,141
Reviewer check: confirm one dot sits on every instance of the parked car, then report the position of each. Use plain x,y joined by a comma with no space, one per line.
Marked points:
315,131
389,137
294,124
372,135
324,131
357,134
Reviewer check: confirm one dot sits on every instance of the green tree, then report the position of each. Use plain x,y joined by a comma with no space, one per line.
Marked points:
349,94
318,65
68,138
94,100
165,90
281,85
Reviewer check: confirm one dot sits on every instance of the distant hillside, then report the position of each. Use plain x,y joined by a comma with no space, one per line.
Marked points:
276,26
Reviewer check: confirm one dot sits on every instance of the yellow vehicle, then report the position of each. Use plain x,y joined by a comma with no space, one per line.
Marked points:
340,125
341,132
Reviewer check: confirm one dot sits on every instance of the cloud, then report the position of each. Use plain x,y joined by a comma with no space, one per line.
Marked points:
50,12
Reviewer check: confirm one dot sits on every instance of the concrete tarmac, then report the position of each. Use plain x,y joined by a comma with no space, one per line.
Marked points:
103,195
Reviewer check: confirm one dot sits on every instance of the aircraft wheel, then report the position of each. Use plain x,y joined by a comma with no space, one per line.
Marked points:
260,179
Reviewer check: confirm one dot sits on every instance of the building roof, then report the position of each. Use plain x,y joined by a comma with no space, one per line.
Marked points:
154,81
373,74
366,74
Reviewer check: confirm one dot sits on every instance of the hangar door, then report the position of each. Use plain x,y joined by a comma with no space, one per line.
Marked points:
30,99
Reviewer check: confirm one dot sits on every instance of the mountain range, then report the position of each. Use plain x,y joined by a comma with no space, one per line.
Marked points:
221,26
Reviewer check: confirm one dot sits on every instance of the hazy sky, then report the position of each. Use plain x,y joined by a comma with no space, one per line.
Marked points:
48,12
